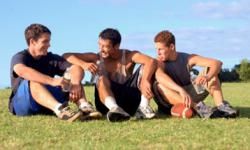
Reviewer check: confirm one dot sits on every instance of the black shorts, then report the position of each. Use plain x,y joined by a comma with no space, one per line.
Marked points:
127,95
163,106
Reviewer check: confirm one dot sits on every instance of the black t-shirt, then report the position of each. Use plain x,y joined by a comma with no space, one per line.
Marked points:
51,65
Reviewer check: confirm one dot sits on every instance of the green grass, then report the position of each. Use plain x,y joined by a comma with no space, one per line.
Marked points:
47,132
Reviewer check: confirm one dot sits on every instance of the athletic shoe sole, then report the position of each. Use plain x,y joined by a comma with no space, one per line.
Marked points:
117,117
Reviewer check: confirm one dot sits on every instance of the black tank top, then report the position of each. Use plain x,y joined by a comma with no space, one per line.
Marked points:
178,70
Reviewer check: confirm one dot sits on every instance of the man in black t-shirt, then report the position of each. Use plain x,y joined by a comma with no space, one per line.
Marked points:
34,88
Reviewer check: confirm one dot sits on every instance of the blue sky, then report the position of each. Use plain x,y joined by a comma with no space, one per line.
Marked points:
213,28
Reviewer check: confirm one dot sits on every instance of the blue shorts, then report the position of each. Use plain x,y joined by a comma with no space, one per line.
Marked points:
23,103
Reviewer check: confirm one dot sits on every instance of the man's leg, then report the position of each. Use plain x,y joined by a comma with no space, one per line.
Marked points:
144,110
169,95
165,98
43,97
105,101
223,106
87,109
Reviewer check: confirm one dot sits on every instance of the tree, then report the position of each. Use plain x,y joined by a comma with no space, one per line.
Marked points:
244,70
228,76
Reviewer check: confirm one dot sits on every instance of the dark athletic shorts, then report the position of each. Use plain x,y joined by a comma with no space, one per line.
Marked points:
127,95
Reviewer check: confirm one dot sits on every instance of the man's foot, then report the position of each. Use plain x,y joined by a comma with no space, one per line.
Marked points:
117,114
227,110
144,113
203,110
88,112
67,114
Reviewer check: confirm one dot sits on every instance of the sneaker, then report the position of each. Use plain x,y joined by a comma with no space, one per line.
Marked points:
228,110
67,114
203,110
144,113
117,114
88,112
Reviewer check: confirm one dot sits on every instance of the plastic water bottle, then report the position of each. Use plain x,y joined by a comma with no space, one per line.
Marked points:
67,78
95,77
198,88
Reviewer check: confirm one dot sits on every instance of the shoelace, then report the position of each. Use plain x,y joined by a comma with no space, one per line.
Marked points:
147,110
68,110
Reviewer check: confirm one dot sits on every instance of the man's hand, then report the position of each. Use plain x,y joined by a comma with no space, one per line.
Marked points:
186,98
91,67
145,87
201,80
59,82
75,92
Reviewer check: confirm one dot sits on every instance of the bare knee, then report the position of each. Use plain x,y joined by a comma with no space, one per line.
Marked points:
169,95
34,86
214,84
103,82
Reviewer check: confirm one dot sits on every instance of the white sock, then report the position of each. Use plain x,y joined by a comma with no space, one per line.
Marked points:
110,102
82,102
56,109
144,101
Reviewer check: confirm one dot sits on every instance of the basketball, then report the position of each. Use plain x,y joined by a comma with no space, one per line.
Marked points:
181,111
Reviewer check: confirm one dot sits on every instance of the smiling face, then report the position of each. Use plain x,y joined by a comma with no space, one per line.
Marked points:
39,47
106,48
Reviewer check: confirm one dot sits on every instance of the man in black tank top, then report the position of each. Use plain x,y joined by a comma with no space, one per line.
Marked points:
174,81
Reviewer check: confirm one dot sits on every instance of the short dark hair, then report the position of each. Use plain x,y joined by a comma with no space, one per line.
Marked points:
34,31
111,34
166,37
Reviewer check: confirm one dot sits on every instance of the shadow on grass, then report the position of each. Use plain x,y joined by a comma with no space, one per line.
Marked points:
244,112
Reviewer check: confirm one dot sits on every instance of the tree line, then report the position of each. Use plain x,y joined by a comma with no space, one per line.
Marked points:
240,72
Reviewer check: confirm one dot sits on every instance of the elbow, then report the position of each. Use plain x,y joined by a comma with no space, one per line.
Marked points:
65,55
219,64
153,63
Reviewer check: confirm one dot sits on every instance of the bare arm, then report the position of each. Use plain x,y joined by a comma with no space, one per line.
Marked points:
166,81
76,90
149,66
85,60
213,64
31,74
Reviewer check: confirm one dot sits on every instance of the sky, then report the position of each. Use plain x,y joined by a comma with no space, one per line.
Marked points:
218,29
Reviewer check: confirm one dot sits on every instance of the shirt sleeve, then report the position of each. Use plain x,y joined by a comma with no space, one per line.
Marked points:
18,58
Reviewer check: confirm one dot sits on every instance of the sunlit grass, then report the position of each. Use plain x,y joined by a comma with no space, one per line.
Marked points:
47,132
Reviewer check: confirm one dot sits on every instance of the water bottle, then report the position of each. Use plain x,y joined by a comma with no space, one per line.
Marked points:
199,89
67,78
95,77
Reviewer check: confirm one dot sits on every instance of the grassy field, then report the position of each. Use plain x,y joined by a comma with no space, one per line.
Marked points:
47,132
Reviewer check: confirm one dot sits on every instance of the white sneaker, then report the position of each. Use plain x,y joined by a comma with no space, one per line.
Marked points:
144,113
88,112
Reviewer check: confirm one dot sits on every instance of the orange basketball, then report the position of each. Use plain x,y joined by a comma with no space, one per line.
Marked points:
181,111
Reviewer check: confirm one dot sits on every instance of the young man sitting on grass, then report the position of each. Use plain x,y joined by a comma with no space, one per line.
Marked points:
34,88
178,65
119,93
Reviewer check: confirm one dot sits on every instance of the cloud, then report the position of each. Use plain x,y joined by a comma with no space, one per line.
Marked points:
223,44
218,10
